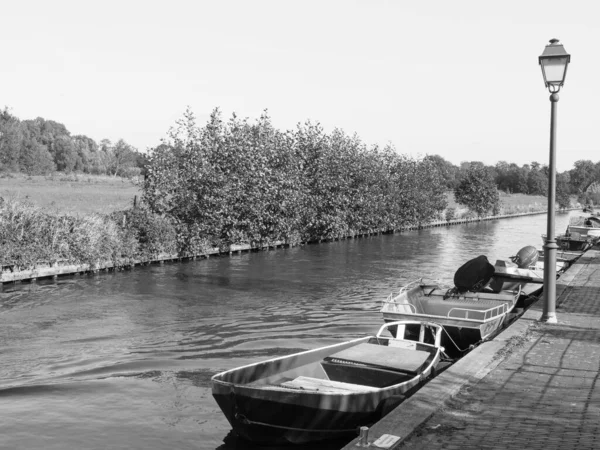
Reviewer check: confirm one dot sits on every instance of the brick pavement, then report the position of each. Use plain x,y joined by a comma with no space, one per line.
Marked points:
545,391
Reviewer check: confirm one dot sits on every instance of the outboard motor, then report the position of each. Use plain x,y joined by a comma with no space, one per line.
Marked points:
474,275
526,257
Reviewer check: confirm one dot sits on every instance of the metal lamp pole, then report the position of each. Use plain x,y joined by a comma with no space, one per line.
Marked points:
550,247
554,62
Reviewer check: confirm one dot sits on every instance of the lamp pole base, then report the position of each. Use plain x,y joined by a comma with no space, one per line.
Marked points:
549,318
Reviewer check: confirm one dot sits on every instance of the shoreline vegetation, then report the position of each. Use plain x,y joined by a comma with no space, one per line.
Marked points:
12,273
234,185
42,238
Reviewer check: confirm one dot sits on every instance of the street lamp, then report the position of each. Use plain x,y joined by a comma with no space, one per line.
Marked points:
554,62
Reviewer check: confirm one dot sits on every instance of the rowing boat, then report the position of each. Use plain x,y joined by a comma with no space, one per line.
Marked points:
329,392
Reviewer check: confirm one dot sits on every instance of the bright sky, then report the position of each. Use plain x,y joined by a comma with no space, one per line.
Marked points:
456,78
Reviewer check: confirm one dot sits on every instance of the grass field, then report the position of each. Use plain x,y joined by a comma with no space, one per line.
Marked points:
510,201
509,204
71,194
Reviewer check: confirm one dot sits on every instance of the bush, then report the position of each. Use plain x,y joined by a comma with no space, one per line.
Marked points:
29,236
150,234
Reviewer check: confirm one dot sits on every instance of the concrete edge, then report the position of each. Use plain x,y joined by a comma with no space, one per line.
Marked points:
409,416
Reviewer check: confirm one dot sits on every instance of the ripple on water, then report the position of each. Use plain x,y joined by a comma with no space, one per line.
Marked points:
123,357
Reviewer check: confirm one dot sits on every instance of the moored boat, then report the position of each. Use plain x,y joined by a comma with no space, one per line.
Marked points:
584,225
467,317
523,271
582,233
328,392
574,242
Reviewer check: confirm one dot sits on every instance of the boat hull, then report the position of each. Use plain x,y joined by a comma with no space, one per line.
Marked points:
290,419
330,392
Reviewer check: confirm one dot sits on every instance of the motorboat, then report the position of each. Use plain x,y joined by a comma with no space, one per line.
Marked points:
575,242
329,392
467,317
584,225
523,271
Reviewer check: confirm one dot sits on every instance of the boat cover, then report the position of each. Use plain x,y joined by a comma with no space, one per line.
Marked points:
473,275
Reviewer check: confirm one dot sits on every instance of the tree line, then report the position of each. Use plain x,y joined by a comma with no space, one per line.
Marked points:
40,147
234,181
582,181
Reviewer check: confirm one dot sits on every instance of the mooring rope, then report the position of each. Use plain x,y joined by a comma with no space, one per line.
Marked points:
455,345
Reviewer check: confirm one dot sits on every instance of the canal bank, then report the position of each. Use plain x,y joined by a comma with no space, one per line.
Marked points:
12,274
536,385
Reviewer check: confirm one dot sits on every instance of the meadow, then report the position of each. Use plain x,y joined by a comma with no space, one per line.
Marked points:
71,194
509,204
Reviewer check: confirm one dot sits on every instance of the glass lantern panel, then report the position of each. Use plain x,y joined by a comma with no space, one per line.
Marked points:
554,70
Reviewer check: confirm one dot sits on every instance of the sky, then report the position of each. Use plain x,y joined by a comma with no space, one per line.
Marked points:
458,78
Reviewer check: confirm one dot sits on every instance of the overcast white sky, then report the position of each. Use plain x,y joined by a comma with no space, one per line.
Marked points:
456,78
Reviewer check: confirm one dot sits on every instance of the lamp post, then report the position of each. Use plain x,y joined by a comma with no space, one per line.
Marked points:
554,61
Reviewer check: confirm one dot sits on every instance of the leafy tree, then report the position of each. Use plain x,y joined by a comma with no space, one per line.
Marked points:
537,181
46,132
447,170
35,159
86,149
477,190
563,195
65,154
122,159
584,174
11,140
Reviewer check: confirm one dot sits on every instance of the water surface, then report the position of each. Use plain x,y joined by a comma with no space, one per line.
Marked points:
123,360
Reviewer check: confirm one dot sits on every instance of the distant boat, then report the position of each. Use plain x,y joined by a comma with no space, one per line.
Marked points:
588,225
574,242
328,392
582,233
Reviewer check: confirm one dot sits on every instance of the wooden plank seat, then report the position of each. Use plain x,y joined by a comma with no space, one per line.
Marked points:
375,365
326,386
391,358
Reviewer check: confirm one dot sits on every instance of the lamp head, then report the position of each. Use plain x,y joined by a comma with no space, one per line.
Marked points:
554,61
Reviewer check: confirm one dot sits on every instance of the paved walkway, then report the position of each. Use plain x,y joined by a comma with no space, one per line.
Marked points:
536,387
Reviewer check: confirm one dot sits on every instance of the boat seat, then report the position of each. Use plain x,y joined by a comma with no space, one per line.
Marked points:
391,358
375,365
327,386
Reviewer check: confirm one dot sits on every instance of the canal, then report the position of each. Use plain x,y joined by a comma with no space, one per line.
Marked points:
123,360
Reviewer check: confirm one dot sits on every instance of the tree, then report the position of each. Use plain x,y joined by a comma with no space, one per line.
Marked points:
122,159
563,196
35,158
537,180
11,140
584,174
447,170
477,190
86,149
65,154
